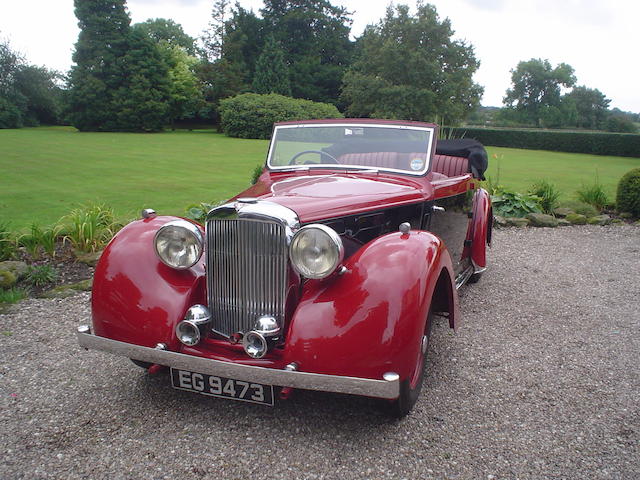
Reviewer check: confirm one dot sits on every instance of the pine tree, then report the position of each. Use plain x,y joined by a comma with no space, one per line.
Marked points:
142,101
272,73
119,81
97,74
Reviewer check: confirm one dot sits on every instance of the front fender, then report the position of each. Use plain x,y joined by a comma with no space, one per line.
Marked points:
371,319
136,298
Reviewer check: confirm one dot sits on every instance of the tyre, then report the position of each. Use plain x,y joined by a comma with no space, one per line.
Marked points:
141,364
410,387
475,278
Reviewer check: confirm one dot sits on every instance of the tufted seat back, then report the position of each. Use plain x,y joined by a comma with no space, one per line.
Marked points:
373,159
449,165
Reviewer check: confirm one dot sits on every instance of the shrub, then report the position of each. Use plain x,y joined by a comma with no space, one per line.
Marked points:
198,212
628,195
595,143
8,244
548,194
255,175
89,228
593,195
251,115
12,295
40,275
514,204
583,208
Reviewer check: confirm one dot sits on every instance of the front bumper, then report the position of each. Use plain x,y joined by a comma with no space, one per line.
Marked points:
388,387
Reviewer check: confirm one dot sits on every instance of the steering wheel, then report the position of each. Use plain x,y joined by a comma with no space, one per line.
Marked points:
324,154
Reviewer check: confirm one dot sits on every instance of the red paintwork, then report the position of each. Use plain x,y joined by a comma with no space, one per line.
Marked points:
136,298
334,193
370,320
481,222
364,323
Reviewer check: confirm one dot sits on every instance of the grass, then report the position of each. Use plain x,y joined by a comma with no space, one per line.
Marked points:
49,171
568,172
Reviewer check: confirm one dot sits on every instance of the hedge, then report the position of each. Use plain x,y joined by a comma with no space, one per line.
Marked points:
596,143
251,115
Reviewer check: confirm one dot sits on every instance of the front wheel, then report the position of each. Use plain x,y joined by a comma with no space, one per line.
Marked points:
411,386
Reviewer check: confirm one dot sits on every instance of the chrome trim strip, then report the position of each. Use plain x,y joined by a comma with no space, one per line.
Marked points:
463,276
389,389
430,146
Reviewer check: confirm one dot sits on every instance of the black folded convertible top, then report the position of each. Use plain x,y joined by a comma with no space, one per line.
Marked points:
467,148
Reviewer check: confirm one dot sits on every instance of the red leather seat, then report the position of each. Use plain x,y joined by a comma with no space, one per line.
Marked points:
450,166
373,159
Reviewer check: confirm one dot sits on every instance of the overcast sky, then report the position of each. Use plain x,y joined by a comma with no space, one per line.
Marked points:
597,38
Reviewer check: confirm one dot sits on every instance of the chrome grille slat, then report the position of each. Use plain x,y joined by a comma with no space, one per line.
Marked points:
246,272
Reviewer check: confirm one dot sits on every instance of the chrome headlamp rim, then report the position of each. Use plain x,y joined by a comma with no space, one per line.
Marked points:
335,240
192,230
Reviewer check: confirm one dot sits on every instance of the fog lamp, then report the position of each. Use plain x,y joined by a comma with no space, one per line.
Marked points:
194,326
255,344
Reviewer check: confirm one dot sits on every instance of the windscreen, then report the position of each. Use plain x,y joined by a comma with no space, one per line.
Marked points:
400,148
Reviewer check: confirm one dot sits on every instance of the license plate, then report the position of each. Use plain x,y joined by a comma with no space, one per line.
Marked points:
222,387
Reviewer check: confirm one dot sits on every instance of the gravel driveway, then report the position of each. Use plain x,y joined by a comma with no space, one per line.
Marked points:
542,381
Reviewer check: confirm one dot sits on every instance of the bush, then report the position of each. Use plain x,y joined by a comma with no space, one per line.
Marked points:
252,116
8,244
593,195
628,195
90,228
583,209
41,275
513,204
595,143
548,194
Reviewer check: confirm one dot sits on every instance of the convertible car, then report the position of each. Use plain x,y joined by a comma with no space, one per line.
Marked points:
325,275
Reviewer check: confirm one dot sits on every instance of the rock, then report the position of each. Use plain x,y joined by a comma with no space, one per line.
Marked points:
576,219
64,291
500,221
562,212
19,269
7,279
599,220
626,215
542,220
90,258
517,221
617,221
563,222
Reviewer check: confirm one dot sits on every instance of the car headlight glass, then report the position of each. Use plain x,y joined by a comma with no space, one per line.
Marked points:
316,251
179,244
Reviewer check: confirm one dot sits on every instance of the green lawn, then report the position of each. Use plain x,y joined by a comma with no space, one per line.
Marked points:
518,169
47,171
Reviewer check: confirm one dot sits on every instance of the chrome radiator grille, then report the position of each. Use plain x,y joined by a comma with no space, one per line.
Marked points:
246,272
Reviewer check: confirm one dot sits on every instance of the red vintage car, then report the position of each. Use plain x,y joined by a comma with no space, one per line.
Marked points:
324,275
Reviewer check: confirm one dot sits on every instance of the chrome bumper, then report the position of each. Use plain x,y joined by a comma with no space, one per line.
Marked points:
389,387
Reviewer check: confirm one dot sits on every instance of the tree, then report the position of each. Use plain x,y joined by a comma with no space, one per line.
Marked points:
591,107
143,100
29,95
314,35
536,88
12,103
42,96
119,81
185,89
213,37
272,74
409,67
163,30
